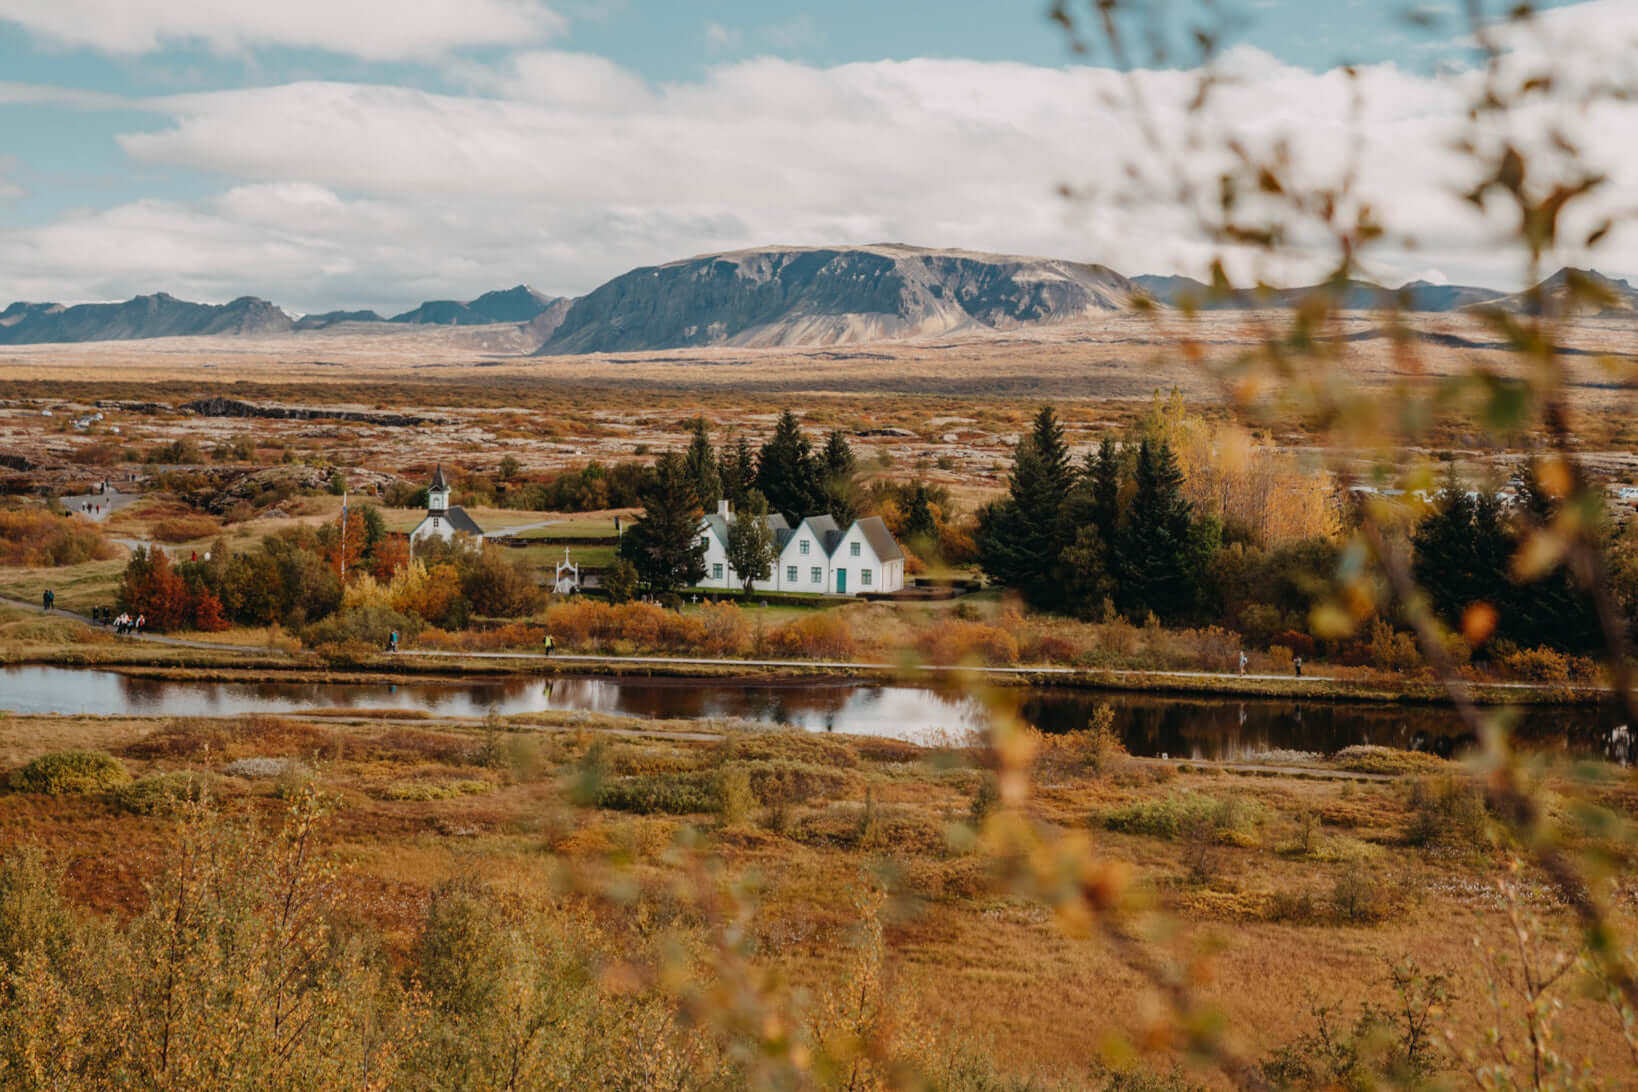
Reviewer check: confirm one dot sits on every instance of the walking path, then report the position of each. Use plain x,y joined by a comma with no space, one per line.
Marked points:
107,504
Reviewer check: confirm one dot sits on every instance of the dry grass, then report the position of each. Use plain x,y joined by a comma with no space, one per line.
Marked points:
418,804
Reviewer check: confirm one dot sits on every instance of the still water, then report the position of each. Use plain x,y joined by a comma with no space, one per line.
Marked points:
1193,727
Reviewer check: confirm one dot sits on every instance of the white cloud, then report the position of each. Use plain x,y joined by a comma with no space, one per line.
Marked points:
564,170
372,29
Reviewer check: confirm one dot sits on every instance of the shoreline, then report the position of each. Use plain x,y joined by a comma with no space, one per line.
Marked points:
229,663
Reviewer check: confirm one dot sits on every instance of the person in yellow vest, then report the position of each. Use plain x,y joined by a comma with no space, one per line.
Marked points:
547,645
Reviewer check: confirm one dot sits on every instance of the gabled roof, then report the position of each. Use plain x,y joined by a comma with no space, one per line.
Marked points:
880,538
438,481
825,530
460,521
717,524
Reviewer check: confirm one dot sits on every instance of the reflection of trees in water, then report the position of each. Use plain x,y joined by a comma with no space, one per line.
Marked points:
1230,728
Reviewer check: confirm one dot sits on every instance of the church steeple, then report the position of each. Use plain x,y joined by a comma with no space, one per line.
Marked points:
438,491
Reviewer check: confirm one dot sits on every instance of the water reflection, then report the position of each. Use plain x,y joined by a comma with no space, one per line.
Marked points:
1182,727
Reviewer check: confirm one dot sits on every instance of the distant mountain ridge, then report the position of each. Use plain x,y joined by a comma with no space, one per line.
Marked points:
158,315
796,296
1353,295
830,296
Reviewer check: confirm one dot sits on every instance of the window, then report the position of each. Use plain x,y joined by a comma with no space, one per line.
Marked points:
790,574
864,577
816,575
853,548
802,547
716,571
434,523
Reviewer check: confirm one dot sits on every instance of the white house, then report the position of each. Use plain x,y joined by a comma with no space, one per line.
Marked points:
442,521
814,558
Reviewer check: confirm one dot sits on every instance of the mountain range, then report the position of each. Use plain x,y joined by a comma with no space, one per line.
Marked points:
789,296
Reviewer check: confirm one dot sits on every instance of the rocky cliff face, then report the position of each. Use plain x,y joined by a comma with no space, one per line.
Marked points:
1351,296
520,304
830,296
159,315
1575,292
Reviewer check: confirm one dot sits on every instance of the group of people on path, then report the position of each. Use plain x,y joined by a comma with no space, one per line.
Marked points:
124,623
1296,664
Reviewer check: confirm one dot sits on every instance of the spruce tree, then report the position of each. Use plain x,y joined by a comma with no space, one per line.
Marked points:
736,468
919,523
1156,556
840,485
701,461
1021,538
788,473
664,543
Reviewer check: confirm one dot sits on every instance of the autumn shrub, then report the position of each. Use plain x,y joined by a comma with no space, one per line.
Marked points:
63,772
1090,750
1391,649
164,793
968,642
1230,820
682,793
369,626
184,528
1542,665
822,635
1447,811
777,782
587,625
1360,897
727,632
513,635
38,539
788,746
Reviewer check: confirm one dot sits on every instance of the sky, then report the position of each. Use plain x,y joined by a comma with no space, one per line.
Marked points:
374,153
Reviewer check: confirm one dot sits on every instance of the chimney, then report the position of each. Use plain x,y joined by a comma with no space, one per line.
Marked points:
724,508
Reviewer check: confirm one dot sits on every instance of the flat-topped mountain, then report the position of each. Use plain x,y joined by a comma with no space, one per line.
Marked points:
159,315
830,296
520,304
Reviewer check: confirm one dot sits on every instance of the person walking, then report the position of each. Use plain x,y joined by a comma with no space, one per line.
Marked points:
1242,663
1297,664
48,599
392,642
142,620
547,645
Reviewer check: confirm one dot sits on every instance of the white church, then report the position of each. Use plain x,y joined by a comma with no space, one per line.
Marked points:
816,557
443,521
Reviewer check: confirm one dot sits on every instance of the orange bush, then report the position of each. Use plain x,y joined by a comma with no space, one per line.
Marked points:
592,625
727,633
822,635
963,642
39,539
185,528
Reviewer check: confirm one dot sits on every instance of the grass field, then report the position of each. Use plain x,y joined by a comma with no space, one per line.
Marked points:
418,806
77,587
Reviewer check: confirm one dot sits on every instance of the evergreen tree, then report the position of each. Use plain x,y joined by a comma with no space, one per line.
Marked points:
788,473
919,524
1048,435
1157,556
1460,554
736,467
751,542
1021,538
701,461
1084,576
1104,473
840,483
664,544
1551,609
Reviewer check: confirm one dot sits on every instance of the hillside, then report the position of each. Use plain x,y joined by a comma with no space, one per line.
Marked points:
1594,295
1353,295
830,296
159,315
519,304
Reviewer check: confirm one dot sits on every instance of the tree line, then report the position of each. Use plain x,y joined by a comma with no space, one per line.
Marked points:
785,475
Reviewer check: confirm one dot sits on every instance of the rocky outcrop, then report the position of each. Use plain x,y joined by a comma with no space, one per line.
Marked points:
335,318
159,315
233,407
1583,292
831,296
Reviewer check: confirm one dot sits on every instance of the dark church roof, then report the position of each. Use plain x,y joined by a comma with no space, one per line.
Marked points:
438,481
460,521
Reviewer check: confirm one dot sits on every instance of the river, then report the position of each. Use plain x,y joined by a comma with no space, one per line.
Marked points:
1192,727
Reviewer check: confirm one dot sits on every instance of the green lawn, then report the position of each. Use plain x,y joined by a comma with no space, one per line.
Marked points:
574,528
78,587
547,556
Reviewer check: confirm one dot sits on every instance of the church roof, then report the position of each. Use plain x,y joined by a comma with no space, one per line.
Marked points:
460,521
438,481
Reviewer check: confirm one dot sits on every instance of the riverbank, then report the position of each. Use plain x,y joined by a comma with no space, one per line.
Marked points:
227,663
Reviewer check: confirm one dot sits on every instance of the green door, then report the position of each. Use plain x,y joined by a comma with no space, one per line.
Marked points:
841,581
